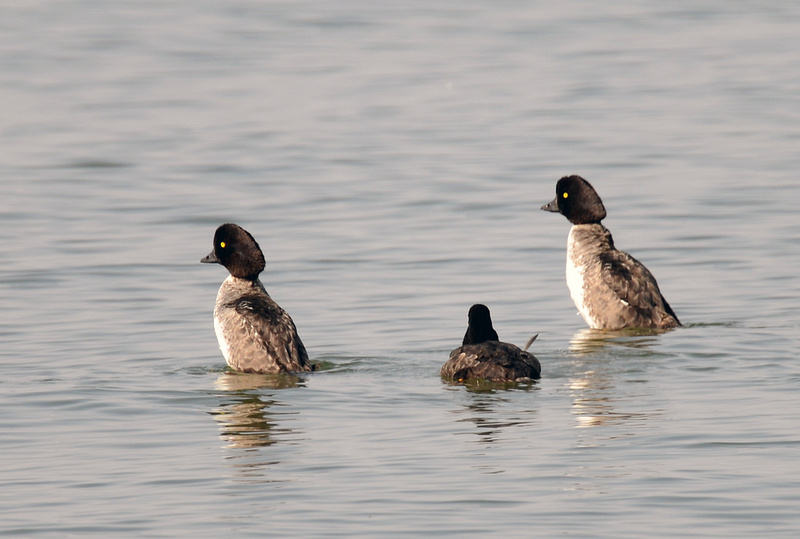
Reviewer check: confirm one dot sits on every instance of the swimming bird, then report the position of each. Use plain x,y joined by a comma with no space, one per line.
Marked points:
254,333
483,356
611,289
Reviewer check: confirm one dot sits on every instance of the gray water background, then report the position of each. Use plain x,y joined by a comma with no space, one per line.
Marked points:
391,160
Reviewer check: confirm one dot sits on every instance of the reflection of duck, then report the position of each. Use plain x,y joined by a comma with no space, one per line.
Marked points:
594,389
594,403
485,411
243,414
236,382
483,356
590,340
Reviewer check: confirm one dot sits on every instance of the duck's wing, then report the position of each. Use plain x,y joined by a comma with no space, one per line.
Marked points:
505,362
271,330
461,362
536,367
638,291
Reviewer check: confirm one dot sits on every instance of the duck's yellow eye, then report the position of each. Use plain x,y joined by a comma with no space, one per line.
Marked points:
222,244
565,195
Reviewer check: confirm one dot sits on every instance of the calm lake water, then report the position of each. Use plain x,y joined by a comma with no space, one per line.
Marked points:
391,161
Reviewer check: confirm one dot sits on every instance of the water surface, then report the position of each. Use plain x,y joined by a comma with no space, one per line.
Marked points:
391,162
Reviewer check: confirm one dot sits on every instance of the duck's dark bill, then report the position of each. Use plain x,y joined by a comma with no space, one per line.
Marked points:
210,259
552,206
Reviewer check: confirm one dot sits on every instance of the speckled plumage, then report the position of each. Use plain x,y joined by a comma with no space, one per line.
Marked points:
254,333
482,356
491,360
610,288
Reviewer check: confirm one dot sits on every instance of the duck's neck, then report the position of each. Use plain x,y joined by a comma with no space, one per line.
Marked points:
589,239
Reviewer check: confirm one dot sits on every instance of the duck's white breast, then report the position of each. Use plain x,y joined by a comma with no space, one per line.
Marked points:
223,342
576,279
224,346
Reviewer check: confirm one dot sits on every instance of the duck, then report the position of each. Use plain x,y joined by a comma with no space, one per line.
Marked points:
611,289
482,355
254,333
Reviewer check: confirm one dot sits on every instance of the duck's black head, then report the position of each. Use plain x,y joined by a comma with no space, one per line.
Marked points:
577,200
238,251
480,326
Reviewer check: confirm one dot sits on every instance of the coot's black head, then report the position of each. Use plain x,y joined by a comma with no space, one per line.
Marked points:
237,250
480,326
577,200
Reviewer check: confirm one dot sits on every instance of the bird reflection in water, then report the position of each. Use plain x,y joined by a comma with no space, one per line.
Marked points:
588,341
601,357
244,413
485,409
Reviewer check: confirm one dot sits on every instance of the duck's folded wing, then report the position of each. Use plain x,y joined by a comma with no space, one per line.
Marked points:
459,364
636,288
271,328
